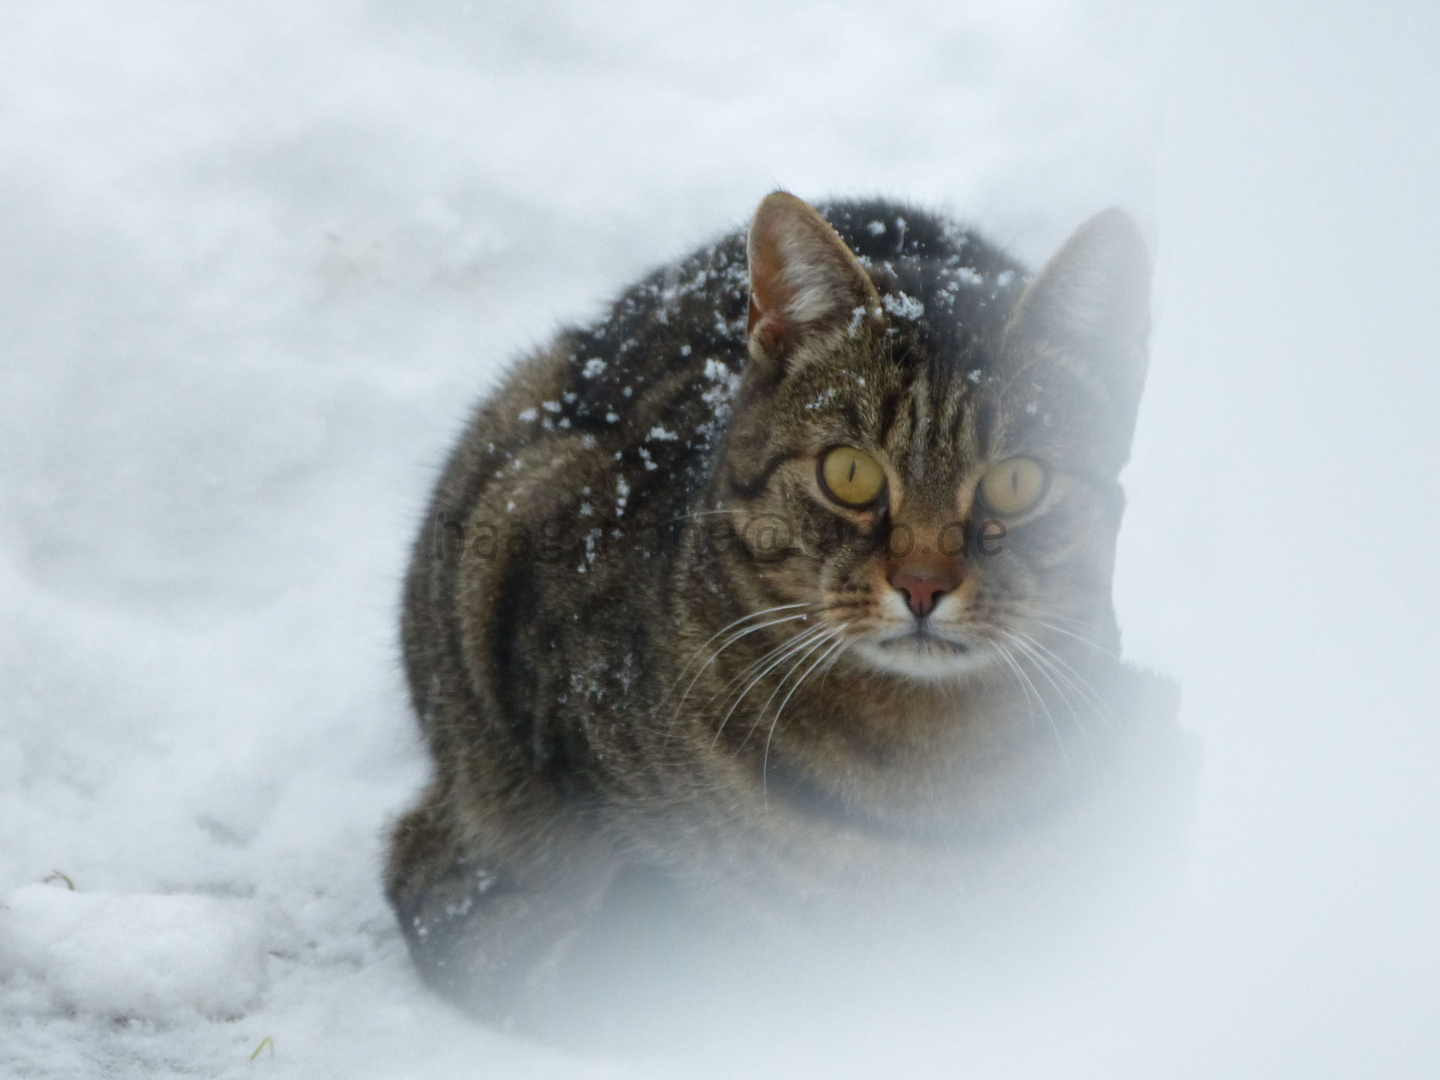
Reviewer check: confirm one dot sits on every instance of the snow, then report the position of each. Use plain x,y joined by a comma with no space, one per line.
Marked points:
259,259
904,306
137,955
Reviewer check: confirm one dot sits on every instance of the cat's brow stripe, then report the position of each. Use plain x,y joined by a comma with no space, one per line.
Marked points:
749,488
889,412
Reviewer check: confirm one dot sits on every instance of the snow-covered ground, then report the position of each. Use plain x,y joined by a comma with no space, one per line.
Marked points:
257,260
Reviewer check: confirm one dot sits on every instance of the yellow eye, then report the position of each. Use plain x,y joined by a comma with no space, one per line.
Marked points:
1012,487
851,477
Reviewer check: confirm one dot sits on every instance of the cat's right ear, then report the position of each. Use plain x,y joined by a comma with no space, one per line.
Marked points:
1085,318
803,281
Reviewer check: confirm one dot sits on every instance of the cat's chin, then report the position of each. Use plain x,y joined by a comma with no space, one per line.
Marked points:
925,657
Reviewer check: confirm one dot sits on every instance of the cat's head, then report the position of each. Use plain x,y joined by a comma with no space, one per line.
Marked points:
936,482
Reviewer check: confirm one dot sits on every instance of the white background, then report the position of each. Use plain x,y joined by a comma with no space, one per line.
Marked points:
257,260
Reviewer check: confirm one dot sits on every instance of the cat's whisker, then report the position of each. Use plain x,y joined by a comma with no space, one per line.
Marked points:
830,665
1101,649
756,672
765,760
699,514
756,664
737,636
1075,679
1058,659
1044,667
1039,698
1035,606
720,633
1036,610
760,716
794,646
1004,654
1046,618
679,705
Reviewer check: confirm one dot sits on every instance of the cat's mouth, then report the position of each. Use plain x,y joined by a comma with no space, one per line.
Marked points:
924,637
921,651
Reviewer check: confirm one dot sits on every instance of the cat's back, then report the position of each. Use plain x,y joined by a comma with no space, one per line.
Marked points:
645,388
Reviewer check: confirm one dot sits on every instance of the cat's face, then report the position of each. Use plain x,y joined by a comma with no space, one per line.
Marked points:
939,502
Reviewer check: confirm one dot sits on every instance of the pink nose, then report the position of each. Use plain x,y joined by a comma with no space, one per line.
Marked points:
922,592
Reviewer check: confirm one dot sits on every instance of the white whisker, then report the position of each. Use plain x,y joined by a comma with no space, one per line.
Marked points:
1043,666
1077,681
724,630
794,646
737,636
1083,640
1054,728
765,761
816,644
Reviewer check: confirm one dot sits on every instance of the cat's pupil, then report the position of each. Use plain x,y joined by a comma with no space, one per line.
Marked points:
851,477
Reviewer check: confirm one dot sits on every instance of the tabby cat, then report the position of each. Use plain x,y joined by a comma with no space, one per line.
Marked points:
782,587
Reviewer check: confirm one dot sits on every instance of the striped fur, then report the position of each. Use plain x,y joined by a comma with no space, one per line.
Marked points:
640,639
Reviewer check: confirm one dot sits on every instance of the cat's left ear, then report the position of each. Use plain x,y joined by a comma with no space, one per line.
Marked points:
804,281
1088,313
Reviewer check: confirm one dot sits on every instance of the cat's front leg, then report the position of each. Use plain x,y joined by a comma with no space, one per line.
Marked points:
486,934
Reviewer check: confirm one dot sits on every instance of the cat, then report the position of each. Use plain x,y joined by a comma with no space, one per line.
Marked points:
785,583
